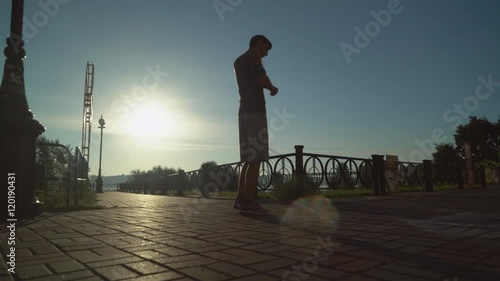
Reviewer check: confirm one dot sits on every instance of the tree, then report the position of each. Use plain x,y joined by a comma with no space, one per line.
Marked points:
496,137
445,155
208,183
140,176
53,159
485,143
137,175
483,136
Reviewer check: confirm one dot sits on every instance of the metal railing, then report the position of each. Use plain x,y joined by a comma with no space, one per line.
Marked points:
316,171
76,172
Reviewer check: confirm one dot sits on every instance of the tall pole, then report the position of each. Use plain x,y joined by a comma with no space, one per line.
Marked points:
19,129
99,180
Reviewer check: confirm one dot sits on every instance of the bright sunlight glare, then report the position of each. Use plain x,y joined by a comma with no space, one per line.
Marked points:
151,121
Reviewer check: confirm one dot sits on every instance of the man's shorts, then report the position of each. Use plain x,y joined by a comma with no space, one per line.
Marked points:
254,142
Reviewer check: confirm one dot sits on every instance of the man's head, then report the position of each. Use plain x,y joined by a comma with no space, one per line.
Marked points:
261,44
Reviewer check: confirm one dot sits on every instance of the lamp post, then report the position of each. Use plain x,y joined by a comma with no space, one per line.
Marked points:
19,129
98,181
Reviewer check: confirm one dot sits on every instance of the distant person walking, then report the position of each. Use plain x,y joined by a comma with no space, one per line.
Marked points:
253,135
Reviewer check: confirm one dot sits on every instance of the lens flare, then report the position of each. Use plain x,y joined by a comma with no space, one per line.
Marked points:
313,213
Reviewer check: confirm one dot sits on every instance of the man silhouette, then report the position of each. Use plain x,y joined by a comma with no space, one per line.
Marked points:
253,135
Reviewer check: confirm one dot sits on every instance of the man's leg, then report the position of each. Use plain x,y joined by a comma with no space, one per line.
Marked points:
242,194
251,178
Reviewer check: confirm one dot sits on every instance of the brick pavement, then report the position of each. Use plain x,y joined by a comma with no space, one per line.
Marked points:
452,235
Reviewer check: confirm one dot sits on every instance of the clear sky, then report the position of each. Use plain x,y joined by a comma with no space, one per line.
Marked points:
353,82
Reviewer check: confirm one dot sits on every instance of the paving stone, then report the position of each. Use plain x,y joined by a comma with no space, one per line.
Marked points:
190,248
5,275
356,277
171,251
44,249
461,253
488,268
202,273
453,258
420,242
231,243
291,255
190,263
251,241
97,264
370,255
84,256
146,267
357,265
345,249
136,242
486,249
394,245
390,276
300,242
272,264
26,257
230,269
174,259
414,271
492,261
260,277
116,272
80,247
152,255
32,271
414,249
219,255
329,273
390,237
63,241
337,259
65,266
164,276
251,259
40,260
271,249
69,276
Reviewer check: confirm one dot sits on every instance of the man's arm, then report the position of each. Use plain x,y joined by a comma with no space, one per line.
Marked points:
262,77
265,82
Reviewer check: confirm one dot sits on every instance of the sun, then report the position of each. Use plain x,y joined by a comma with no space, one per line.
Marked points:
151,121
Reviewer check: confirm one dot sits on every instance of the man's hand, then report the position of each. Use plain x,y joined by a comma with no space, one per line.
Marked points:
274,91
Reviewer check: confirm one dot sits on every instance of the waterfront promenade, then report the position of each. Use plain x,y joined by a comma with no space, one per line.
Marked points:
448,235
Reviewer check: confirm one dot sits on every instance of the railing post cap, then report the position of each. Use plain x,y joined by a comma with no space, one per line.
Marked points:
299,146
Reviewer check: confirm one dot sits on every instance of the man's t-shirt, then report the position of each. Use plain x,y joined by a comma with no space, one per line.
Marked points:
251,93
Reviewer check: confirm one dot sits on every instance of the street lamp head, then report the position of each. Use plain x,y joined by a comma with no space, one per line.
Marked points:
101,122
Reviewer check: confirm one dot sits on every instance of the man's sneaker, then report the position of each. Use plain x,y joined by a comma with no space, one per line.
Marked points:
238,203
253,208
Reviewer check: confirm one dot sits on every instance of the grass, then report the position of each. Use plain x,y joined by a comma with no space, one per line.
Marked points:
56,201
358,192
335,193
